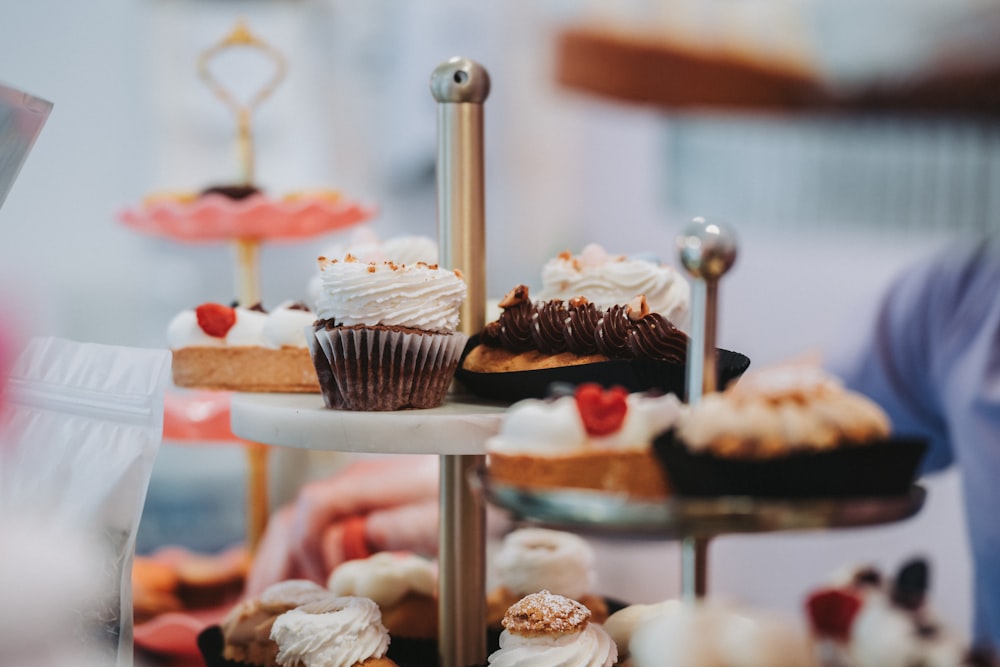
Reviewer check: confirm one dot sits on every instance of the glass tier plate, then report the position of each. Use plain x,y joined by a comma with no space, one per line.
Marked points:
611,515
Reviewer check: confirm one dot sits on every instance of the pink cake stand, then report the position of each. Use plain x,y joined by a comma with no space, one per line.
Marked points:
215,217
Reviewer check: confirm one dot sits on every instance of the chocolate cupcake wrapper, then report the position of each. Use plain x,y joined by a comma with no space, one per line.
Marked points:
382,369
875,469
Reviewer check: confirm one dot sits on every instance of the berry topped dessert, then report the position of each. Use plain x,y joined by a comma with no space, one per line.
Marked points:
216,346
595,439
872,621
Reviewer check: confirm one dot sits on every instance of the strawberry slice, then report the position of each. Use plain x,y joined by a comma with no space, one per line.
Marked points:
215,319
602,411
832,611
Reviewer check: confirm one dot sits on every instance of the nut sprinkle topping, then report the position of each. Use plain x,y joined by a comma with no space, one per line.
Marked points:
545,613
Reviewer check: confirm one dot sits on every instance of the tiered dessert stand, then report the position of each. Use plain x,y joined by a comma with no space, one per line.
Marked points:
246,224
707,250
457,430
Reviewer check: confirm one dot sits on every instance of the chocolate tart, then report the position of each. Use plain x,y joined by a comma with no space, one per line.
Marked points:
633,374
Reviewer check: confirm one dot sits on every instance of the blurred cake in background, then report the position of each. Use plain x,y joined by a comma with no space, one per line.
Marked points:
868,619
709,633
534,559
403,585
612,280
789,432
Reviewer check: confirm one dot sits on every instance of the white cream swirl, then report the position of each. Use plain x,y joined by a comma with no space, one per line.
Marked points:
615,280
535,559
418,296
333,632
591,647
366,246
554,427
385,577
286,326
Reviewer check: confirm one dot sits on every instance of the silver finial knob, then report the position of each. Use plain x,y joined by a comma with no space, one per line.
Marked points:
460,80
707,248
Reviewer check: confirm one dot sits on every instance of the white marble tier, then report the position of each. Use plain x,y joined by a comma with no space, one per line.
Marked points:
459,426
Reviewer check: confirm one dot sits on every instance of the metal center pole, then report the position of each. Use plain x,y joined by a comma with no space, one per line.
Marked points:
707,250
461,86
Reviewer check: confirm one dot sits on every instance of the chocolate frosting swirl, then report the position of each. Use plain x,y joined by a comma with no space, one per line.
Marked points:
547,327
654,337
515,328
613,333
580,328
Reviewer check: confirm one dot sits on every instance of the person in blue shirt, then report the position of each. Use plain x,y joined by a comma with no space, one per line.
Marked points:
932,361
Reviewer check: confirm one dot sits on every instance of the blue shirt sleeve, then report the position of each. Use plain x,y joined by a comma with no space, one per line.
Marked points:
932,362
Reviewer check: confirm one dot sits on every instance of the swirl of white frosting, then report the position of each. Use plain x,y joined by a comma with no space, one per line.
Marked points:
183,330
608,281
590,647
540,428
333,632
535,559
286,327
366,246
384,577
418,296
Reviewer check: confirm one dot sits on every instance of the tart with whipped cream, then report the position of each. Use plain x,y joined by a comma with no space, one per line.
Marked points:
535,559
403,585
548,629
233,348
386,336
598,439
788,431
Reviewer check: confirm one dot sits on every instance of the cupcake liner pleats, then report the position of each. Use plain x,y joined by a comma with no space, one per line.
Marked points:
371,368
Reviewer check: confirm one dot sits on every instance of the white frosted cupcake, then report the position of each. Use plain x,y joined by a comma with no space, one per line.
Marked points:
386,335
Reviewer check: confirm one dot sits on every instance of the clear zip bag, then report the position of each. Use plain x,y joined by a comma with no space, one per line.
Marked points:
78,438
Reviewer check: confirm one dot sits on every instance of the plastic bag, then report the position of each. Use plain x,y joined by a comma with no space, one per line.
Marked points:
78,439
